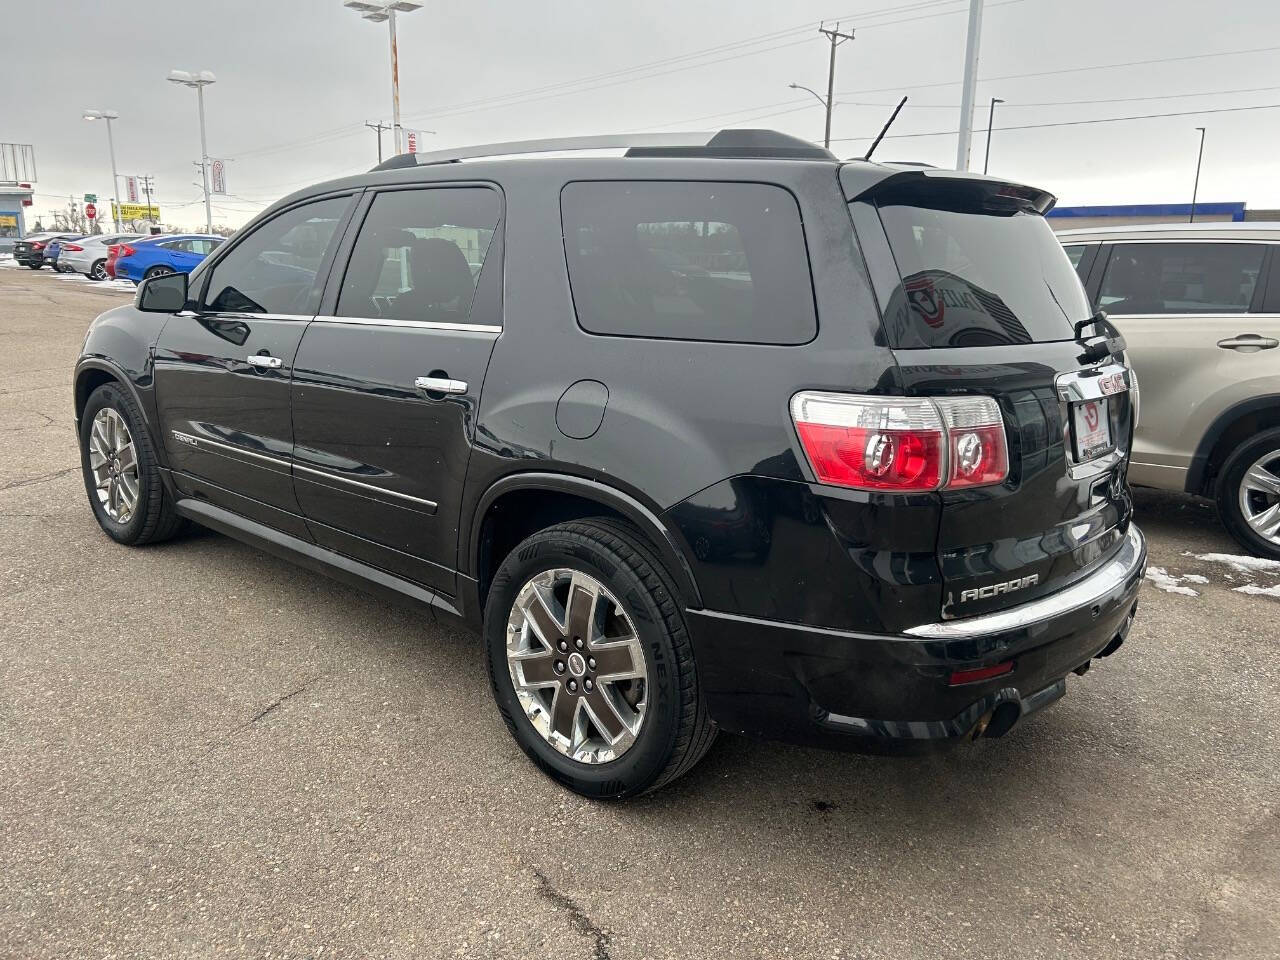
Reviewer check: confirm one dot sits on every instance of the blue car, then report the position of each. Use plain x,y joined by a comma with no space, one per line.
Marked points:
54,248
154,256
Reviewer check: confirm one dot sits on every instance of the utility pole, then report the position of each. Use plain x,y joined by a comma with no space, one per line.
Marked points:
835,37
970,84
378,126
1196,189
991,117
146,186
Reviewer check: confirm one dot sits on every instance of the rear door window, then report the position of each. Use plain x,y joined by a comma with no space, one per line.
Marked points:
688,261
1181,277
972,278
419,254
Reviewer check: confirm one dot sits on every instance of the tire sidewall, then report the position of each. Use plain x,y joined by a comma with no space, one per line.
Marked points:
648,756
112,396
1228,492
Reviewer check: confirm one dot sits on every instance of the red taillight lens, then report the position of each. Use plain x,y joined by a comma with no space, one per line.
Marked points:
73,247
959,677
901,444
37,245
124,250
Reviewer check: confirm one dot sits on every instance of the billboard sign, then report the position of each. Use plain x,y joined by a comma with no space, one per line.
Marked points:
131,189
128,212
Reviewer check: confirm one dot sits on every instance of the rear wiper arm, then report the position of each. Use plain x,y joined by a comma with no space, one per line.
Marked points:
1107,342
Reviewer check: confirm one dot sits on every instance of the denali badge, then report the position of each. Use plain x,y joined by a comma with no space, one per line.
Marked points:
995,589
185,438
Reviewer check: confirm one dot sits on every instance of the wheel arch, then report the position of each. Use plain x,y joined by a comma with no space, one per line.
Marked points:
91,373
535,500
1227,431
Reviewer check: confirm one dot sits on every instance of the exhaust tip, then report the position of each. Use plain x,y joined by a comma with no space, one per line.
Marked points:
1002,719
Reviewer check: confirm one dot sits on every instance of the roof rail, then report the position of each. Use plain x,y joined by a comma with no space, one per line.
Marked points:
724,143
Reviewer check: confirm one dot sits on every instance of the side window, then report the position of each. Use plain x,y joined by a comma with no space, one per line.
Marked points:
688,261
419,254
200,245
273,269
1170,278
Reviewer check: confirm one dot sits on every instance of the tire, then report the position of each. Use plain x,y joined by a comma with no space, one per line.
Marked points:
152,517
35,266
98,271
1234,493
159,270
674,731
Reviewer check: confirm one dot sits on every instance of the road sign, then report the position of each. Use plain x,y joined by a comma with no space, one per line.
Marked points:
90,198
90,210
218,176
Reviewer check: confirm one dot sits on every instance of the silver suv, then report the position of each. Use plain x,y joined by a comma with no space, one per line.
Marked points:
1199,305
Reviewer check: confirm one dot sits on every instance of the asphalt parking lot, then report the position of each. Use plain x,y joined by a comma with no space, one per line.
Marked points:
205,751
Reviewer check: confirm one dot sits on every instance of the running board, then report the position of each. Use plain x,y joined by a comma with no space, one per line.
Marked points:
309,555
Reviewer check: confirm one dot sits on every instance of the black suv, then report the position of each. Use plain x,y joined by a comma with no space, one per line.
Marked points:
717,433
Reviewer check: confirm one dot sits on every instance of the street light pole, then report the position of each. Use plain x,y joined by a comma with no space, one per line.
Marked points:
198,81
991,116
378,11
109,115
1196,189
970,84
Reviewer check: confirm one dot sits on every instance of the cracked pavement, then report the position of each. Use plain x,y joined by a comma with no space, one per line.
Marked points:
205,751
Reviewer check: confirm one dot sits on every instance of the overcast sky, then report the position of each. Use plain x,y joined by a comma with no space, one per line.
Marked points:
296,79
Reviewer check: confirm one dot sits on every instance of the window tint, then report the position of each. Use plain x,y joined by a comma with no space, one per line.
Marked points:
273,269
1074,253
977,278
688,261
419,254
1161,278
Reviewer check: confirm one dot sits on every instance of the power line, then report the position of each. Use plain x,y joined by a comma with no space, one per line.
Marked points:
1075,123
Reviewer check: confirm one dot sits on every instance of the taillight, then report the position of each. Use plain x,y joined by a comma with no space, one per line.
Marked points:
74,247
37,245
124,250
901,444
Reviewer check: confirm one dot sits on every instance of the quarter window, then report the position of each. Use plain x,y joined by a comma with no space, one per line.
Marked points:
1168,278
419,254
688,261
275,268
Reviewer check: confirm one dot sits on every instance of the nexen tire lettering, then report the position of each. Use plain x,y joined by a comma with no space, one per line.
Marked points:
995,589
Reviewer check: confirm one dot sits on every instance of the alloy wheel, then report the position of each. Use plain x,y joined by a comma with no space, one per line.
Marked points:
114,463
1260,496
99,270
577,665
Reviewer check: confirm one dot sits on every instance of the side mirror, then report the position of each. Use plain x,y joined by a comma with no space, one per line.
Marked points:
164,294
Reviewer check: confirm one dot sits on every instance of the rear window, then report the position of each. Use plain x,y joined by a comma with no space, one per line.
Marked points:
978,279
688,261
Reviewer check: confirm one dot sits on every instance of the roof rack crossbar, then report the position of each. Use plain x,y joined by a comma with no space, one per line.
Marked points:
759,143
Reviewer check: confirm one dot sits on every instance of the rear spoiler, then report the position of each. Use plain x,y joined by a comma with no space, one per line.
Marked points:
945,189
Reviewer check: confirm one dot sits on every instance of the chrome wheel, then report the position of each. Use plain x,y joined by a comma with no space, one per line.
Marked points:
577,665
114,463
99,270
1260,496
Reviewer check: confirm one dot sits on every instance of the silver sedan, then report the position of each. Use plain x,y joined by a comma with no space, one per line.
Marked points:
89,256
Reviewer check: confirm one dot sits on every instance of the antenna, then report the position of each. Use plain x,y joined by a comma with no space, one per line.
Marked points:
885,129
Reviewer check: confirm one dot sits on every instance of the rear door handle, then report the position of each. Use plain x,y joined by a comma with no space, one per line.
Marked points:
267,363
1249,341
440,385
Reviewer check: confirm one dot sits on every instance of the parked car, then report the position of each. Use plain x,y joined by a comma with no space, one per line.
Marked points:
158,255
1199,307
29,251
869,491
89,254
53,251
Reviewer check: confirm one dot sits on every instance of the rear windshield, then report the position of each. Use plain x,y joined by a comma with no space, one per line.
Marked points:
978,279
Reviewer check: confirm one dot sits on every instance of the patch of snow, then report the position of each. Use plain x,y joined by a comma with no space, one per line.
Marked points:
1194,578
1256,591
1162,580
1247,565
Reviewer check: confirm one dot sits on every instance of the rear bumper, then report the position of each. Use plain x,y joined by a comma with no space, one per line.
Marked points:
878,692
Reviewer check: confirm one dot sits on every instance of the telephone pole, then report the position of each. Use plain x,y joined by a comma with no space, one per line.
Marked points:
972,43
836,38
146,188
378,126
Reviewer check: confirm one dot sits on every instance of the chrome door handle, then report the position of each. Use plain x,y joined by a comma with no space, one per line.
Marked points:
268,363
1249,341
440,385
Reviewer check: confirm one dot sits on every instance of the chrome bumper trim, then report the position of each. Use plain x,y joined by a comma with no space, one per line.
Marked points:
1130,558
